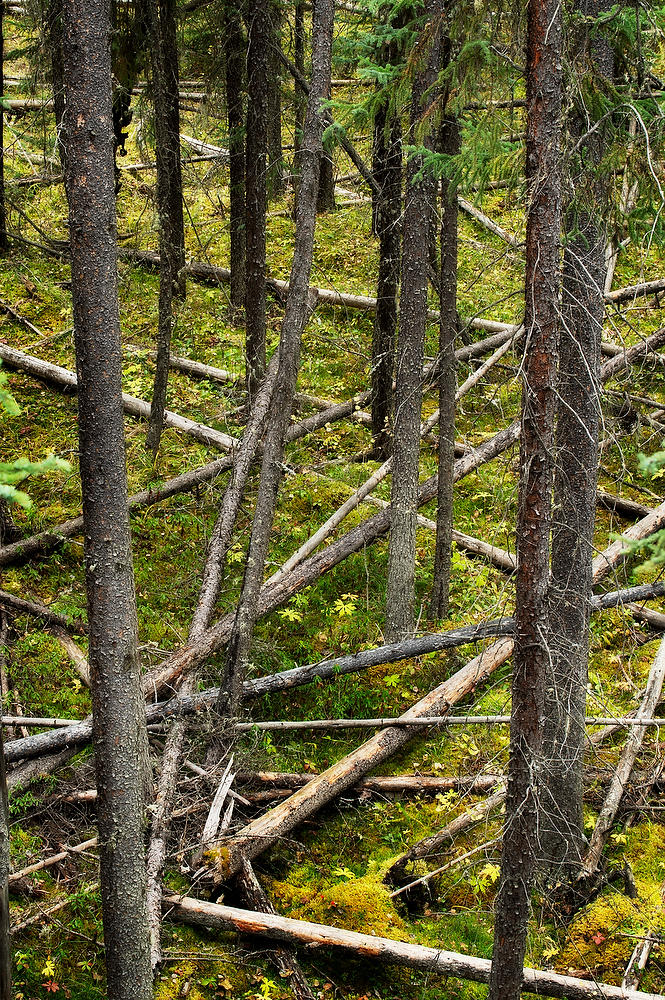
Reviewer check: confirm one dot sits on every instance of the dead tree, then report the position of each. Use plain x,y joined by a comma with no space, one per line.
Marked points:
561,828
410,349
53,27
4,243
541,322
5,933
388,173
166,87
274,134
258,34
450,144
234,48
118,709
298,307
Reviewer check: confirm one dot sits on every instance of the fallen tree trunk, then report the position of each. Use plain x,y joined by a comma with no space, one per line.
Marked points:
36,609
79,733
622,775
386,784
396,874
263,832
63,378
632,291
621,505
305,934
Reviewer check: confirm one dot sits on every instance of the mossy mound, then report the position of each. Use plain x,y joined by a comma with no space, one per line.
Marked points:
596,941
354,903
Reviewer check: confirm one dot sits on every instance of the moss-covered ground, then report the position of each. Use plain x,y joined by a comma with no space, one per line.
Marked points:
331,869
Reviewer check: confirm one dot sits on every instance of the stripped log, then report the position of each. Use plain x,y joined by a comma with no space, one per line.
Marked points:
303,933
384,784
261,833
54,859
622,505
63,378
74,652
621,777
285,959
79,733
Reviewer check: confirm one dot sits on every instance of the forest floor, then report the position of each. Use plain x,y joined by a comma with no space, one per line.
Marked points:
331,870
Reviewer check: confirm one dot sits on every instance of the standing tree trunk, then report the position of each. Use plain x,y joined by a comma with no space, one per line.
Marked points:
541,322
299,99
388,173
54,40
561,844
258,30
4,243
119,732
450,145
234,43
274,140
298,305
166,88
410,352
5,931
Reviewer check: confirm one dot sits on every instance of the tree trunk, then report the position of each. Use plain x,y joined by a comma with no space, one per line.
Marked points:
235,46
258,31
561,826
118,709
450,143
54,39
410,351
297,311
388,173
370,948
541,322
5,932
4,243
274,138
166,87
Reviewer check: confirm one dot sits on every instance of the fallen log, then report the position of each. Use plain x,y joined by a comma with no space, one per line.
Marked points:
634,354
424,879
74,652
79,733
606,562
488,223
396,874
306,934
621,505
63,378
638,962
386,784
284,959
261,833
621,777
36,609
54,859
633,291
193,654
46,541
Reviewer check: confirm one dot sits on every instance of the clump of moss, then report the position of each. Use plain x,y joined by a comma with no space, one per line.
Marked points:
595,937
354,903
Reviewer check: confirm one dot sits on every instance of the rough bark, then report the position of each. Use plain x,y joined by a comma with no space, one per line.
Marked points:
450,143
234,47
274,134
561,826
5,934
166,86
388,174
419,195
119,729
365,946
4,243
297,311
258,32
53,23
541,322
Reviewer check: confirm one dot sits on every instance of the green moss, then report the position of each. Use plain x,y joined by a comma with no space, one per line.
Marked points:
355,903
